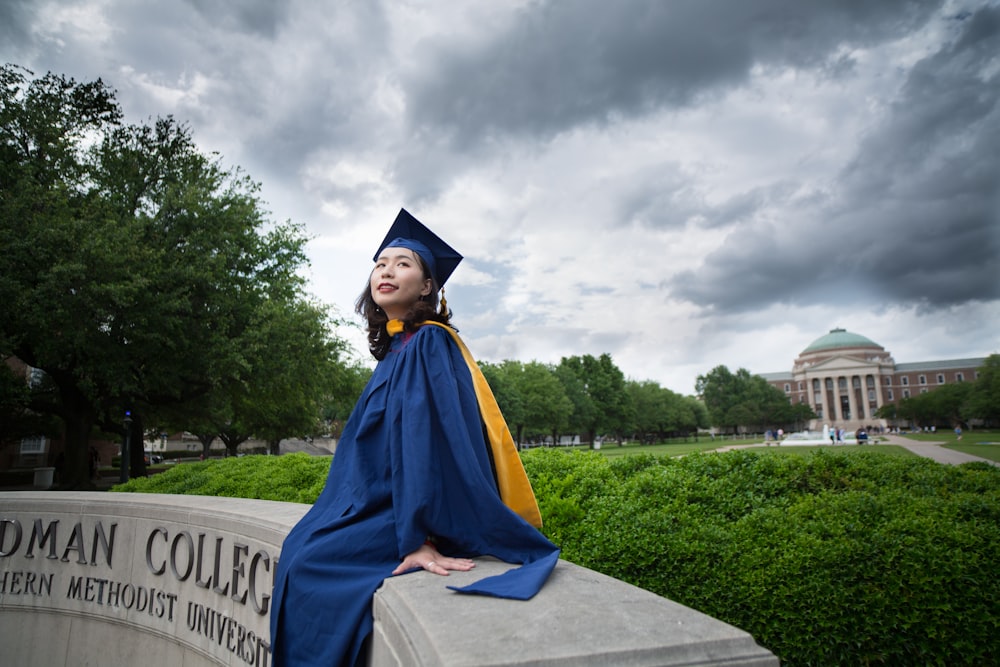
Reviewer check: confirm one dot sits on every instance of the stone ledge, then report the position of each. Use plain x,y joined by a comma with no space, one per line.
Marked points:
580,617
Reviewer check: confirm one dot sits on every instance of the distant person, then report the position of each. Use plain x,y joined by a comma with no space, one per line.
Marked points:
958,432
426,474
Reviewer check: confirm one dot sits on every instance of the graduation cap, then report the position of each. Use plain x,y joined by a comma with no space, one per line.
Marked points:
408,232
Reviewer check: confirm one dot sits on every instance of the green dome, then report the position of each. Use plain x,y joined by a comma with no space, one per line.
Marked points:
839,338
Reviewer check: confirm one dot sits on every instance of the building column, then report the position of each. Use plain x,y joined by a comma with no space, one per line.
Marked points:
811,394
823,402
879,388
832,400
851,403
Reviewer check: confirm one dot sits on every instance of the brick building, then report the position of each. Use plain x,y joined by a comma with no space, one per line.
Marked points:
845,377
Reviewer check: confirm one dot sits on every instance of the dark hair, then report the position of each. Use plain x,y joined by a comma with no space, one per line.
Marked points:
426,308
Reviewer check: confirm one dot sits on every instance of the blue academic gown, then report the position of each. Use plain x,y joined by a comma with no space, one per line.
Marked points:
412,462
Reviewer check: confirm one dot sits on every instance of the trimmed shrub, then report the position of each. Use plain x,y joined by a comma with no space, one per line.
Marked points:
826,559
295,478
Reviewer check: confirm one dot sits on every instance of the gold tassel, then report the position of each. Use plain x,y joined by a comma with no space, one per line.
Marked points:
443,310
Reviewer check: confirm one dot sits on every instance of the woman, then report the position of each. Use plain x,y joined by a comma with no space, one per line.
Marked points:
425,473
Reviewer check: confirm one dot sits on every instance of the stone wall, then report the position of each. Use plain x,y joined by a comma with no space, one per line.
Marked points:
156,580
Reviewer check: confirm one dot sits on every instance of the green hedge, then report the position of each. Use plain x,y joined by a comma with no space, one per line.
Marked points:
827,559
295,478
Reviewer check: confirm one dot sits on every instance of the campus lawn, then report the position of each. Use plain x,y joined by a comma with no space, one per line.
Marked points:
612,450
985,451
892,450
706,445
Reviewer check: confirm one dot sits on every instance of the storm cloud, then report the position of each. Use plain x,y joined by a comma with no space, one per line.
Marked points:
679,184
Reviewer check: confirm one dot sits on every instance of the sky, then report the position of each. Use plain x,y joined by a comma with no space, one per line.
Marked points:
680,184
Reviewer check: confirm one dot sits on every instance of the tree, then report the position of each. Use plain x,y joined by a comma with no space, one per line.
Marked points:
503,380
984,398
741,399
530,397
17,419
942,407
546,406
948,403
699,411
661,413
596,387
798,415
133,265
648,402
349,381
291,366
585,411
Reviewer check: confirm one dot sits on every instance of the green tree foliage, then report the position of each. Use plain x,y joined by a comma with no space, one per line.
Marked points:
943,406
585,412
503,380
546,406
596,387
138,273
531,398
17,419
953,404
983,401
741,399
660,413
292,366
349,381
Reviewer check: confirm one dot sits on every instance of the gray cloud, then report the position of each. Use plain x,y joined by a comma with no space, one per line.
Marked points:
822,157
915,215
261,17
562,64
14,22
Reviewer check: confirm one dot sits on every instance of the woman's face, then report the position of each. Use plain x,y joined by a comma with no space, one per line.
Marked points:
397,281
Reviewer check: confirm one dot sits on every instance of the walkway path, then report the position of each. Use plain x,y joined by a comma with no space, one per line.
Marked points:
934,450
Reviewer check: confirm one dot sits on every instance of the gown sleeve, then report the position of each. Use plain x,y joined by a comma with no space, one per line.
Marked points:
442,480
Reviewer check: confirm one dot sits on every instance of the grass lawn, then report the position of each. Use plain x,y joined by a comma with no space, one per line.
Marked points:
662,449
985,444
892,450
681,449
991,452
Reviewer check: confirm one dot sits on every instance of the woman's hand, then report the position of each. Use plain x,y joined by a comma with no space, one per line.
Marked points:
429,558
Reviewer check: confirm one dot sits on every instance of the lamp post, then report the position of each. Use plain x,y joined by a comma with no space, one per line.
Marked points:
125,449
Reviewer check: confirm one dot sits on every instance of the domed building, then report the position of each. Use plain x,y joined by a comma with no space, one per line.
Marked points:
845,378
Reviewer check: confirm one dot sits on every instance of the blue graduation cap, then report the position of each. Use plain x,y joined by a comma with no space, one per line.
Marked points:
408,232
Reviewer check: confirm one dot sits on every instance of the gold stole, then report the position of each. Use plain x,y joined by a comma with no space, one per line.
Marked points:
515,489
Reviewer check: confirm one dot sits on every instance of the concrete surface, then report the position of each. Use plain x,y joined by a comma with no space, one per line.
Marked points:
581,618
934,450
